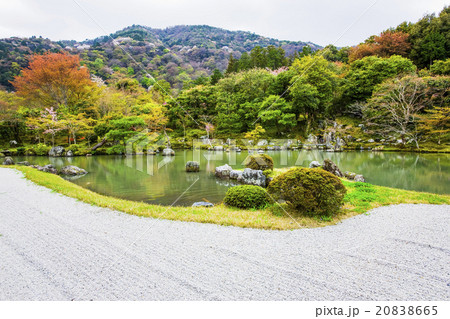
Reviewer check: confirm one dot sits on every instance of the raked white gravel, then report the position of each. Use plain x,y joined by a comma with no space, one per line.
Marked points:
53,247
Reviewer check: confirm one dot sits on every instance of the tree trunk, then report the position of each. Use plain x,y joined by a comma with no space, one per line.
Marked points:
99,144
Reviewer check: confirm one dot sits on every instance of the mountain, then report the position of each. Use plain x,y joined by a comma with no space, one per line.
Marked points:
176,54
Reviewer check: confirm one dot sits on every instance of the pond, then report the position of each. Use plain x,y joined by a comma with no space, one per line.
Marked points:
162,180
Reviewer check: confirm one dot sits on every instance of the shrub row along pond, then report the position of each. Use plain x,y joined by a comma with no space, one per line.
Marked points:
310,191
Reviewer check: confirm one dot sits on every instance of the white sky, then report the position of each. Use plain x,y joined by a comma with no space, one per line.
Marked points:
319,21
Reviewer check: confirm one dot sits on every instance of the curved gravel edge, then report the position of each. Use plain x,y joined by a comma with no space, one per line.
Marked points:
56,248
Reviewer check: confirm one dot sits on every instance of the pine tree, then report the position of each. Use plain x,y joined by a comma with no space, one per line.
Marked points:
232,65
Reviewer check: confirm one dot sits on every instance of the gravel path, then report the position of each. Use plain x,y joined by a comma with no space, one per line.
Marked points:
55,248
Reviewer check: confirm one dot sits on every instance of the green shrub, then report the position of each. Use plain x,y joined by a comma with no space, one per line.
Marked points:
115,150
259,161
21,150
246,196
13,151
38,149
78,149
311,191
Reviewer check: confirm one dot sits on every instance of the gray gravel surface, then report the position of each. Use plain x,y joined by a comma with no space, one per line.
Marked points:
55,248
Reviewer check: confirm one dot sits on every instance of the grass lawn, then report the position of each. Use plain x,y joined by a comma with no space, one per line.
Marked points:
360,198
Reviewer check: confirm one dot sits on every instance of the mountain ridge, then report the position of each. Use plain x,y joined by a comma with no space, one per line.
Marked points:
176,54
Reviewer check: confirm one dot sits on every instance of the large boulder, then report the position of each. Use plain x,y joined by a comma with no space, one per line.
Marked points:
168,152
202,204
314,164
56,151
71,170
359,178
192,166
223,171
329,166
8,161
252,177
235,174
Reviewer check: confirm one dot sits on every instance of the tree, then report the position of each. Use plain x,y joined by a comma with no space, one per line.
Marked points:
386,44
276,113
238,99
75,124
124,128
437,122
245,62
368,72
154,115
440,67
216,76
391,43
256,133
433,47
10,117
395,108
232,65
55,80
312,89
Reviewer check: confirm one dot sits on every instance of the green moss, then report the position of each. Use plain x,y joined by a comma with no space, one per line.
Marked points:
259,161
246,196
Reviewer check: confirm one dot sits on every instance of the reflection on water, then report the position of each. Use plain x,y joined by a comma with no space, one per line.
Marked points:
161,180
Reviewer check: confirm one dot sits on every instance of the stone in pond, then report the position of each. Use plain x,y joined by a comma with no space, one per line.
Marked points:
71,170
252,177
8,161
56,151
202,204
168,152
314,164
192,166
25,163
223,171
235,174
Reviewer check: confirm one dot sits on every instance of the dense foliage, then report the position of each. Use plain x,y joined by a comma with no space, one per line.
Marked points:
246,196
311,191
185,83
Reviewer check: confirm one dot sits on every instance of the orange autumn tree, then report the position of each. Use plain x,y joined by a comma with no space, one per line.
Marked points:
55,80
385,45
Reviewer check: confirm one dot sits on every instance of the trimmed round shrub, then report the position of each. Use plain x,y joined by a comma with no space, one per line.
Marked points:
246,196
259,161
310,191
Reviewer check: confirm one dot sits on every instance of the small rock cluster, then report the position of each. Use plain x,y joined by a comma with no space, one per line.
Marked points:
247,176
331,167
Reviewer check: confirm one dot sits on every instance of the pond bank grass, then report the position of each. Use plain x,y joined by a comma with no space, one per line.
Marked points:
360,198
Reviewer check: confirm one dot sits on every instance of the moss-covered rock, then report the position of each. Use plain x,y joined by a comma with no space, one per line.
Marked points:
311,191
259,161
246,196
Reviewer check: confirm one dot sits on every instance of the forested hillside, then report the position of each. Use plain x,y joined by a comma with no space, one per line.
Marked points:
391,91
178,55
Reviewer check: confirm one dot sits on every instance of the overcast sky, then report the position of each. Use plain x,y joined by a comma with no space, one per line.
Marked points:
341,22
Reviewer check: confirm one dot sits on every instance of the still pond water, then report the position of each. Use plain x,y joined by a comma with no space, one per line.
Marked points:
162,180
